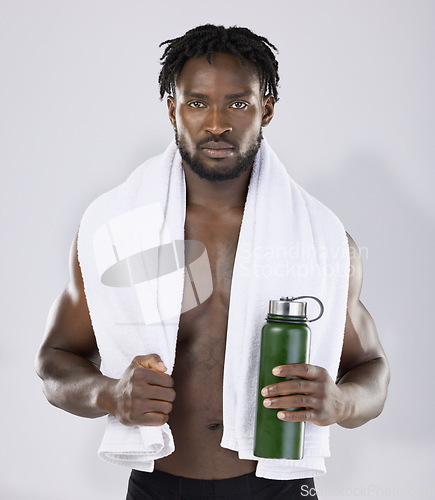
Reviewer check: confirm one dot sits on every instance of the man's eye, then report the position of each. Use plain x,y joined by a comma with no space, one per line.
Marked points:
239,105
196,104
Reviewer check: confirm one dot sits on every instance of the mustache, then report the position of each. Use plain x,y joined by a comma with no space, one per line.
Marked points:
216,138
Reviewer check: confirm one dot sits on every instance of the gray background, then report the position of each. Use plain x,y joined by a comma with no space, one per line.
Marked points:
355,126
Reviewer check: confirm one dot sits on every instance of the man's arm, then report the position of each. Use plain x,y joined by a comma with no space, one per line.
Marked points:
68,363
364,373
360,391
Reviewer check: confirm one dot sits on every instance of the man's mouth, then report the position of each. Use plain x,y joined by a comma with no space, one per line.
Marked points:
219,149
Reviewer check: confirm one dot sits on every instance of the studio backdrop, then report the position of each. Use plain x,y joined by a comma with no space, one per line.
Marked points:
354,126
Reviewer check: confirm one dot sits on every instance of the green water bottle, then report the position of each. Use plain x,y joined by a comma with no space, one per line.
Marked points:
285,339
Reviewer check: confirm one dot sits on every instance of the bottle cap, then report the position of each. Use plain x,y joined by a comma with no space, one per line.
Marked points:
286,306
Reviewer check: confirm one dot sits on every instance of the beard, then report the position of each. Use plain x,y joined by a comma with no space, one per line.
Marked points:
243,161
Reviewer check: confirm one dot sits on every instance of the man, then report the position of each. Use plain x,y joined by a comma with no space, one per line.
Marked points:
222,89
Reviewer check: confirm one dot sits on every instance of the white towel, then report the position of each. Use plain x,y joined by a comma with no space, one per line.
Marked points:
289,245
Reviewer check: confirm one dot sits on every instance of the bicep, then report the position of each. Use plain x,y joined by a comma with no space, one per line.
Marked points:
69,325
361,341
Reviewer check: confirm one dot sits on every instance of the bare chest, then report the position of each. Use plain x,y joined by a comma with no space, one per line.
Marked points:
198,370
211,279
196,418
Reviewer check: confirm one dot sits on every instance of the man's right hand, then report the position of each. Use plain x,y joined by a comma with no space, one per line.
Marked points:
68,363
144,394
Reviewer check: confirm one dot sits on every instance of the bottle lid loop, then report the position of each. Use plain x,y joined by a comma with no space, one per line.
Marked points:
322,308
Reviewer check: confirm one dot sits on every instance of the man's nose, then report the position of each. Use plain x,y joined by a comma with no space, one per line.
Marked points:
217,122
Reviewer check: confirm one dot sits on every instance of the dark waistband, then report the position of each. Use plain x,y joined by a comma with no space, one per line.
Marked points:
233,487
199,486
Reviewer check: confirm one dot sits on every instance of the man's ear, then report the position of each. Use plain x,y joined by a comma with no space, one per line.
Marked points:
268,109
170,101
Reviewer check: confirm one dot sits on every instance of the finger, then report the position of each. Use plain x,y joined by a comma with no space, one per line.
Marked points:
153,419
302,370
153,361
149,377
160,394
296,416
294,386
293,401
152,406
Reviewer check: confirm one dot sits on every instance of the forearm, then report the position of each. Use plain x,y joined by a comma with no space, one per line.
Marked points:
364,391
73,383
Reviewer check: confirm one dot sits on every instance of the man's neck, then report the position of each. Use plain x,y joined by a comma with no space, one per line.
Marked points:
216,196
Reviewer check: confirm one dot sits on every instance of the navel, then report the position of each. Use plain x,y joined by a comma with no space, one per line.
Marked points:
214,426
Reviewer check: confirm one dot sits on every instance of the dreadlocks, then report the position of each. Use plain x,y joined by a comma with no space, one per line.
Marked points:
203,40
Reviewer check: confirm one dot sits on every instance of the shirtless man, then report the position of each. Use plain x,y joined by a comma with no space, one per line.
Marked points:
217,109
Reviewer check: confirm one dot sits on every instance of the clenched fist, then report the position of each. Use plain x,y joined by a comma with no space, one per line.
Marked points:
144,394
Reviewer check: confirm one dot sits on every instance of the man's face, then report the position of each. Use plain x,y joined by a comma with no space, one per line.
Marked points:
218,112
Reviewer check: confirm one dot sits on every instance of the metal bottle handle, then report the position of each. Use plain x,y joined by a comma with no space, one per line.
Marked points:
322,308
